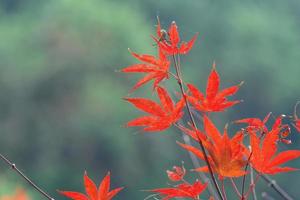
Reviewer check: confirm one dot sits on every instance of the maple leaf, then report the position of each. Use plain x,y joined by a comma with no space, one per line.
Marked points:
296,123
177,174
92,193
161,116
184,190
226,156
172,45
215,100
255,123
157,69
264,158
19,194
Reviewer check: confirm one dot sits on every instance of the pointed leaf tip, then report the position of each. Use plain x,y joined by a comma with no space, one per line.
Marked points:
241,83
214,65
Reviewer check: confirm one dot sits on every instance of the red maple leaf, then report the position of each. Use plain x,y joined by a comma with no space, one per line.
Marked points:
92,193
215,100
264,158
255,123
161,116
226,156
177,174
157,69
172,45
296,119
184,190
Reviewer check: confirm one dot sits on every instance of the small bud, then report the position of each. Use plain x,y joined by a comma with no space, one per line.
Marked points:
285,141
285,131
176,174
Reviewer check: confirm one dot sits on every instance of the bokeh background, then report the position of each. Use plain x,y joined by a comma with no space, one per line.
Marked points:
61,107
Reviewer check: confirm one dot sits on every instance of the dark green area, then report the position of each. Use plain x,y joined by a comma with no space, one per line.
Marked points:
61,110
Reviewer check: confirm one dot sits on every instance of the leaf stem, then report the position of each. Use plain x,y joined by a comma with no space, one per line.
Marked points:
235,188
223,189
14,167
196,164
246,167
252,184
179,81
244,177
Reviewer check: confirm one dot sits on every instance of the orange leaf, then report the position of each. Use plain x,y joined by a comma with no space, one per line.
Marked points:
255,123
212,84
102,193
285,157
226,156
147,105
173,34
215,100
74,195
139,68
264,158
184,190
165,99
187,46
195,92
161,116
104,187
90,187
172,46
212,131
157,69
177,174
192,149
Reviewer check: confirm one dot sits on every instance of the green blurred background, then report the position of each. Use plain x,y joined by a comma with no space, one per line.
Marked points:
61,107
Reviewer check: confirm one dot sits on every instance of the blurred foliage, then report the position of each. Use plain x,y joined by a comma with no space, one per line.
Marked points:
19,194
61,107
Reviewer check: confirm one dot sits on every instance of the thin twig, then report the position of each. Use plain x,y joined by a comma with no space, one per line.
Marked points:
244,177
223,189
179,81
247,165
235,188
252,184
196,165
14,167
271,183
